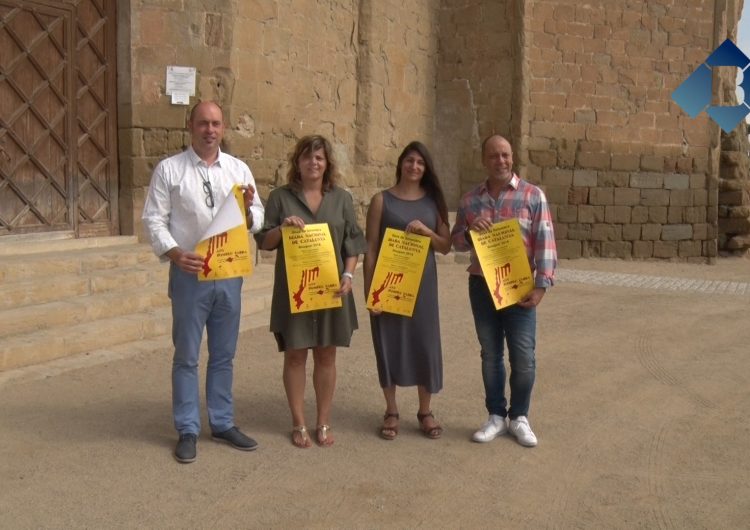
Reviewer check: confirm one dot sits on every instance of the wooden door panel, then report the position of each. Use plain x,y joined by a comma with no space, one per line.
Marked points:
58,144
95,117
35,118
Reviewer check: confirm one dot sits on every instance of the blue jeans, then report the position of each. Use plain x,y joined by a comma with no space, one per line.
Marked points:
215,306
516,326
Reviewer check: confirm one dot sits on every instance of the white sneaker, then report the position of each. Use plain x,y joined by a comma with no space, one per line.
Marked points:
521,429
495,426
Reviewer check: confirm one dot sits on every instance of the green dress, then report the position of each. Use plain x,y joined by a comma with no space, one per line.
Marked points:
325,327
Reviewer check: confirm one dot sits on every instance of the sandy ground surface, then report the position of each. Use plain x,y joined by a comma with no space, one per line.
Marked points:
640,409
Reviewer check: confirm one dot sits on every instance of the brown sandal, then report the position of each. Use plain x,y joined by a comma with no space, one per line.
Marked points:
434,432
389,433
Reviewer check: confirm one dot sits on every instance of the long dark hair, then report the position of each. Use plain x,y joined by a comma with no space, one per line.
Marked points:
430,181
310,144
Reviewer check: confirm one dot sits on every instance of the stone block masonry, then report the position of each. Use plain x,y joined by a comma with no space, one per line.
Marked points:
600,76
582,90
359,72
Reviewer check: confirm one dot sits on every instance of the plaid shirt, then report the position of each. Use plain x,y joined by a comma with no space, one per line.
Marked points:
519,200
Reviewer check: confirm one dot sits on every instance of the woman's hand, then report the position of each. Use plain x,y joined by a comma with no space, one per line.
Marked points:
293,220
418,227
345,287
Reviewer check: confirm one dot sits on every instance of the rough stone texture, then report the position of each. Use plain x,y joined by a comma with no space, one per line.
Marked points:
734,210
676,232
600,78
582,90
360,72
479,85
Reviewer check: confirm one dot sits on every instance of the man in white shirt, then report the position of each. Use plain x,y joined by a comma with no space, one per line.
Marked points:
185,194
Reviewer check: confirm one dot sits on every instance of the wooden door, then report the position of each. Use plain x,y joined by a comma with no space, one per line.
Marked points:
58,148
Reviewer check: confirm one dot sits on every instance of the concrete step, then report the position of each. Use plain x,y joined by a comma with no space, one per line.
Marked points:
52,242
90,334
256,319
61,296
21,266
79,309
55,288
39,346
45,278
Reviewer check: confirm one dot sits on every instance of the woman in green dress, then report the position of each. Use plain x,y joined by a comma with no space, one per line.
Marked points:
312,196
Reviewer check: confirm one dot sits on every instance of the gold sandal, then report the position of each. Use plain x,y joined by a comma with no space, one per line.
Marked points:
304,438
321,435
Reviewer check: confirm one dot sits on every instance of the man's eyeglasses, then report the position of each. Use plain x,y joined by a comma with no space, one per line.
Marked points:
208,191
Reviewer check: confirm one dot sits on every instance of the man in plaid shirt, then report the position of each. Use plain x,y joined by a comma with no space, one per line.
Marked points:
505,196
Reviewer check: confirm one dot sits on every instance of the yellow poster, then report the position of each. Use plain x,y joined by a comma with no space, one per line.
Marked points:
311,270
505,265
225,246
398,272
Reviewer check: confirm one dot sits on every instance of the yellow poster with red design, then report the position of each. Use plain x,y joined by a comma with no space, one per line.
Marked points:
225,246
398,272
312,273
505,265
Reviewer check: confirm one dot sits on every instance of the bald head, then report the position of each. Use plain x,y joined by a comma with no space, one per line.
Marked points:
204,104
494,138
206,125
497,158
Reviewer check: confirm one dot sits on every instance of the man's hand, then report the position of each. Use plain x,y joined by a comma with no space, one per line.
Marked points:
189,262
248,194
480,224
533,298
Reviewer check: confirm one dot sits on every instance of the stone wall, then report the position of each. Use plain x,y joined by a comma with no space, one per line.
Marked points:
627,170
397,67
582,90
734,192
734,165
359,72
479,85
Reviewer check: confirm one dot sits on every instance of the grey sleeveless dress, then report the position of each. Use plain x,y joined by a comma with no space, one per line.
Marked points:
408,350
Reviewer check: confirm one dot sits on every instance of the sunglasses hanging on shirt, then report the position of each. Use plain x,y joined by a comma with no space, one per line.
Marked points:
208,190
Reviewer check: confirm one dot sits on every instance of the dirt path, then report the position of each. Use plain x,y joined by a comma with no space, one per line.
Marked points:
639,407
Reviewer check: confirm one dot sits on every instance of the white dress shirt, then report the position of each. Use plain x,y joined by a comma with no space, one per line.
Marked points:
176,213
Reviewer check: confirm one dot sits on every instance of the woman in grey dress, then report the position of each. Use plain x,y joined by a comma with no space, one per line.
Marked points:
407,349
311,196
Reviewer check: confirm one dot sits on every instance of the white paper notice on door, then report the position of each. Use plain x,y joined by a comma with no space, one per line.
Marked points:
180,80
